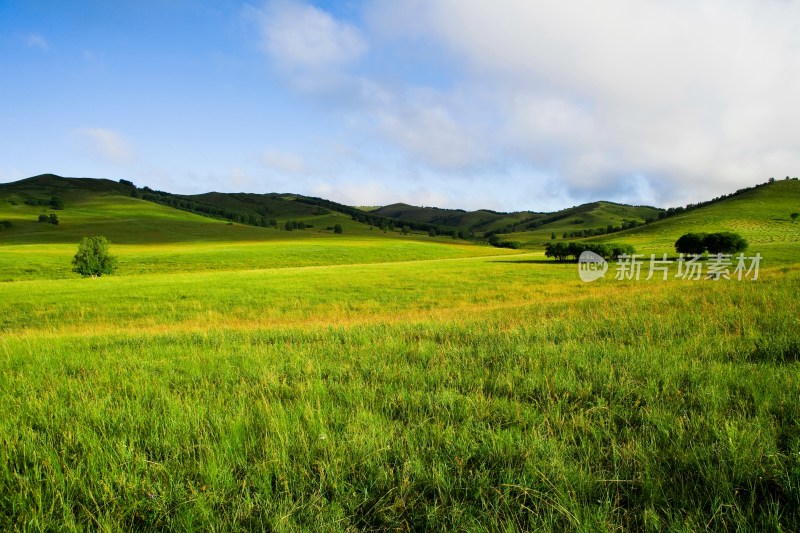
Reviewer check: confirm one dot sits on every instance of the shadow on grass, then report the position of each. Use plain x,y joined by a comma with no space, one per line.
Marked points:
536,262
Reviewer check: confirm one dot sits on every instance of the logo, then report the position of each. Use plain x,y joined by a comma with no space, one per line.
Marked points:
591,266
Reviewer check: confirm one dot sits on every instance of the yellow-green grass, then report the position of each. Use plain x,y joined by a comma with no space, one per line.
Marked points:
148,237
495,393
52,261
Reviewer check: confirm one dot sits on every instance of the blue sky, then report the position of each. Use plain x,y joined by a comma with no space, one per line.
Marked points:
458,103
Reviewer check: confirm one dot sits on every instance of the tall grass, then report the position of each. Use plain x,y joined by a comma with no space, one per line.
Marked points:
465,394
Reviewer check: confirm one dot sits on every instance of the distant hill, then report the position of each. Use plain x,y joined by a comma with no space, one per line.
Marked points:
119,211
132,214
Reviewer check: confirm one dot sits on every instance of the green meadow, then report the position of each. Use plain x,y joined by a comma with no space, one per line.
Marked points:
232,378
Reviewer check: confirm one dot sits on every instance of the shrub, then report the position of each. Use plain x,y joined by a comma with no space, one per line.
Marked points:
44,218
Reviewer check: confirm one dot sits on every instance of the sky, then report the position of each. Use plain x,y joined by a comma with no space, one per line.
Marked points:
505,105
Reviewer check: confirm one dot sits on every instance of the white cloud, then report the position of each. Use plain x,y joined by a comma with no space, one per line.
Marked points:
626,97
35,40
105,144
284,162
307,44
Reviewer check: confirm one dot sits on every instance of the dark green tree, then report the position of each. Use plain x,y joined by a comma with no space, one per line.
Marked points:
557,250
553,236
56,202
725,243
93,258
44,218
794,216
432,232
337,228
691,243
53,219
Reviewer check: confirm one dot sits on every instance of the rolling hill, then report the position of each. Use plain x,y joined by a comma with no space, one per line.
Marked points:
761,215
151,237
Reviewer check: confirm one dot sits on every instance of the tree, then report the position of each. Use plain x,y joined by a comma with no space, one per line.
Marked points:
557,250
553,236
691,243
724,243
56,202
794,216
53,219
44,218
406,230
432,232
337,228
93,258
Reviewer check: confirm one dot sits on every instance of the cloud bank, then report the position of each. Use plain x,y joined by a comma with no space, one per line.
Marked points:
641,101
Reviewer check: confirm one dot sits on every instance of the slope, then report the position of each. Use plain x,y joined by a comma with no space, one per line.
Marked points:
593,217
154,238
761,215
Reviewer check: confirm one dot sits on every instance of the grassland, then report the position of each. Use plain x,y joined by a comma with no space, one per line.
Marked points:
436,389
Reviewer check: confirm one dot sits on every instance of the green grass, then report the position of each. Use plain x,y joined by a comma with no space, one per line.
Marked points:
269,380
463,394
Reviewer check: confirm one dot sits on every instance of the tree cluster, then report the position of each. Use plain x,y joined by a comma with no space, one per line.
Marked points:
495,241
198,208
291,225
713,243
52,218
561,251
55,202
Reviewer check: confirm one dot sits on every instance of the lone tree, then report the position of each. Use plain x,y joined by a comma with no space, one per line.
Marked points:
337,228
794,216
93,258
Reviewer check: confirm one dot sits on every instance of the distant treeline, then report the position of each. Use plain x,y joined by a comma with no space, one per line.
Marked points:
382,222
561,251
199,208
56,202
677,210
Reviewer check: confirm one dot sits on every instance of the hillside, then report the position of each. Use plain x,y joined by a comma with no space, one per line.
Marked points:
475,221
594,217
151,237
760,215
527,227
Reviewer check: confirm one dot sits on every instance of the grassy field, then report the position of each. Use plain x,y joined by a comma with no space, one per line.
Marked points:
267,380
